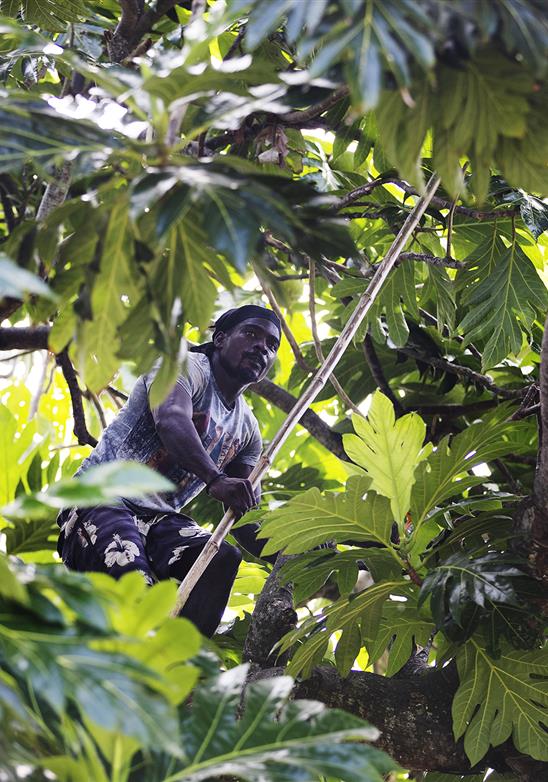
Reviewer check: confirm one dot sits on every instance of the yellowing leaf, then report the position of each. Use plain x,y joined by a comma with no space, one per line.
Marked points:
389,450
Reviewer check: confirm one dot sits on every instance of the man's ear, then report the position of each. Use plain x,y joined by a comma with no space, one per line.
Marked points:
219,339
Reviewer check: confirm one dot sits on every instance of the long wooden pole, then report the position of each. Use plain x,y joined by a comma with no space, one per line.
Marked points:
316,385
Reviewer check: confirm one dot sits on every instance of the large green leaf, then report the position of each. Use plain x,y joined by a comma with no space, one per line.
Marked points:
446,472
51,15
367,36
499,699
275,740
60,646
401,629
15,282
98,485
466,591
98,340
388,450
31,130
312,518
504,293
355,616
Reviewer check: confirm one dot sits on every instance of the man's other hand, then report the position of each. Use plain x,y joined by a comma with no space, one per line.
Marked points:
236,493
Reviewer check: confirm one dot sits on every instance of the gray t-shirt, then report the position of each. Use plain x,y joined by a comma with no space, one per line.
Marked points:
226,431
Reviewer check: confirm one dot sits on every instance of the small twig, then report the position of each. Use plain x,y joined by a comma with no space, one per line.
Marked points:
514,485
299,358
295,117
35,401
276,243
236,43
317,342
433,260
465,373
80,428
450,228
117,396
445,332
377,373
524,412
17,355
439,203
89,395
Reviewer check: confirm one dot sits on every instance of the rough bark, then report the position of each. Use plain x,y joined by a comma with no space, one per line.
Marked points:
273,616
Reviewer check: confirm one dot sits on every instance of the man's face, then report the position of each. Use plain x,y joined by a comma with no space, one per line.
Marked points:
248,350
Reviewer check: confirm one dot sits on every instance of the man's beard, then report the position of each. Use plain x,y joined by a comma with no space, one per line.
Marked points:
245,374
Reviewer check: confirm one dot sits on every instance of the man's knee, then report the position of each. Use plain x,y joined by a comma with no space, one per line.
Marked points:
229,557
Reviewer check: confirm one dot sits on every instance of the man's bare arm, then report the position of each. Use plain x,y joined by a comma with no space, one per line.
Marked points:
176,430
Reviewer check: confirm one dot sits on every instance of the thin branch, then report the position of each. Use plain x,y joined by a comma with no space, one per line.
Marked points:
310,420
317,342
445,332
91,397
439,203
450,217
377,373
35,401
465,373
433,260
452,411
299,358
303,115
236,43
541,476
80,428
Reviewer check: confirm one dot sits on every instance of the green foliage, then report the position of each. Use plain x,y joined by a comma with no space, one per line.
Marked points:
17,282
98,485
220,160
65,646
389,451
310,518
465,592
501,698
504,298
275,739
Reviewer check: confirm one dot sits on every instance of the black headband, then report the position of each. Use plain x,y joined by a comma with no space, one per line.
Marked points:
231,318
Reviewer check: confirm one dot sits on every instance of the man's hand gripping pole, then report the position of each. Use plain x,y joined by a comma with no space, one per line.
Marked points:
318,382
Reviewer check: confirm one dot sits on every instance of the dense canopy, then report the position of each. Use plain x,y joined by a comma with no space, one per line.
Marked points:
161,162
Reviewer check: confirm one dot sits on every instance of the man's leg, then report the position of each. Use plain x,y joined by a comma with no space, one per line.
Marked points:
106,539
173,544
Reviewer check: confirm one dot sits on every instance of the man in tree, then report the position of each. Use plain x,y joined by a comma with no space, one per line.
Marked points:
202,436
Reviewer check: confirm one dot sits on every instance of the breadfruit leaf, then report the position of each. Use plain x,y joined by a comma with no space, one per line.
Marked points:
389,450
275,739
499,699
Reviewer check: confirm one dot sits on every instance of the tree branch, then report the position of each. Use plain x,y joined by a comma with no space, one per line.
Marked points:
303,115
273,617
80,428
317,342
465,373
24,338
377,373
433,260
310,420
541,475
439,203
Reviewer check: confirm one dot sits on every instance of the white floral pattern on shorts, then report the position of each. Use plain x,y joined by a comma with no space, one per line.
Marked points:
120,552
